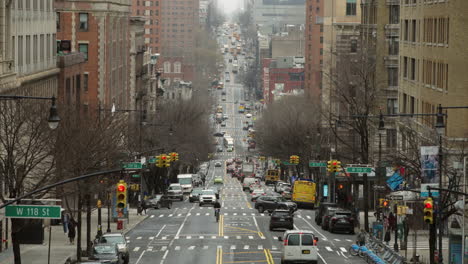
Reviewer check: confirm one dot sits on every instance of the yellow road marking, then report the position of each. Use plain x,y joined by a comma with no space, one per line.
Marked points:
221,225
248,261
245,252
260,234
248,205
240,228
268,256
219,256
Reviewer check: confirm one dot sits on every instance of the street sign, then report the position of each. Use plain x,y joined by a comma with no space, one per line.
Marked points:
359,169
395,197
136,176
132,165
317,164
378,187
33,211
152,160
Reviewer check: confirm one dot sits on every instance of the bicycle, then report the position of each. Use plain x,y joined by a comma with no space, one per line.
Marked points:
217,214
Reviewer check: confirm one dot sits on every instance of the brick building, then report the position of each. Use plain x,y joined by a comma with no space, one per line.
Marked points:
151,10
70,79
180,24
314,48
101,32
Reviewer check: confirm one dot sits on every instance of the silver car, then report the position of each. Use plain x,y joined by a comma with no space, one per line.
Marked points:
119,240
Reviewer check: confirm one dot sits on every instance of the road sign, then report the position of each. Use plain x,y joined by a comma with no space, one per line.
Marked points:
395,197
33,211
136,176
378,187
359,169
132,165
152,160
317,164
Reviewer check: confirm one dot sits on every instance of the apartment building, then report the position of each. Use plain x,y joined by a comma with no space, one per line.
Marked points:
313,49
30,37
433,60
101,31
178,30
7,73
151,10
276,13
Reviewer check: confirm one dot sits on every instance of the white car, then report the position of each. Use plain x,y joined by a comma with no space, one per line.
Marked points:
218,164
299,246
248,115
207,197
175,191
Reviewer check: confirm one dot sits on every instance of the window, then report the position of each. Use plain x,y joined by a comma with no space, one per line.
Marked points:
405,103
307,240
57,20
412,105
48,47
42,46
167,67
350,7
393,46
392,106
405,30
83,48
405,67
392,77
391,138
321,39
394,14
85,82
293,240
83,21
35,48
413,69
354,45
413,30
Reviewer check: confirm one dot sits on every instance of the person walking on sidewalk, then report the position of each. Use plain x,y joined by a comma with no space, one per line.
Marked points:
65,220
71,230
361,238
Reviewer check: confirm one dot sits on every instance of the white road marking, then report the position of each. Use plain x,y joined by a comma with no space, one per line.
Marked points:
152,216
336,239
308,216
262,214
238,237
275,238
226,237
233,247
182,225
235,213
260,247
191,248
138,238
164,237
161,215
163,248
318,232
329,248
323,260
176,237
179,215
139,258
164,257
201,237
151,238
213,237
198,213
136,249
246,247
177,248
189,214
250,237
244,214
205,247
189,237
343,249
274,248
170,215
207,214
349,240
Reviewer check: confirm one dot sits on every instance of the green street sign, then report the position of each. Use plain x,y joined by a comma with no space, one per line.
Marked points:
152,160
136,176
287,163
33,211
359,169
132,165
317,164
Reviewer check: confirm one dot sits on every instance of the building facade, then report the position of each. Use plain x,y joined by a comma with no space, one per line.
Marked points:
32,36
433,57
313,49
70,80
282,76
151,10
101,31
288,43
7,73
276,13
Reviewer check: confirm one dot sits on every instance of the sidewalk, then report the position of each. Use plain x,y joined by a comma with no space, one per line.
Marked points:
61,249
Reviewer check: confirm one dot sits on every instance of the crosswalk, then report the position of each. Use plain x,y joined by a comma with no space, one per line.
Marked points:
210,214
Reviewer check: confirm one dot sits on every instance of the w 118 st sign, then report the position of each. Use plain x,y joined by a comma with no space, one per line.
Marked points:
358,169
33,211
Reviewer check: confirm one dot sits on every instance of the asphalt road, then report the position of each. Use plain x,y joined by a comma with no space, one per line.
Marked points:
188,233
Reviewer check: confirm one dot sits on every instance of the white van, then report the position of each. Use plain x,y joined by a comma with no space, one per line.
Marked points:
247,182
185,181
299,246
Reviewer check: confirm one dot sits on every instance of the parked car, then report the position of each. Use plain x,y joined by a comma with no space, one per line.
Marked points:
321,211
207,197
326,217
195,195
107,253
270,203
341,220
281,219
223,124
249,115
223,93
257,193
218,134
158,201
119,241
300,246
175,191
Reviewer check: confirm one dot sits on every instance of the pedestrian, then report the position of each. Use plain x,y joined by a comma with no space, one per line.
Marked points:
361,238
392,221
387,237
65,220
71,230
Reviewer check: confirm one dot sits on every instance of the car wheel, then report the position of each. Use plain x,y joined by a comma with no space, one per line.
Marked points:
331,230
157,206
352,232
261,209
182,198
201,204
271,228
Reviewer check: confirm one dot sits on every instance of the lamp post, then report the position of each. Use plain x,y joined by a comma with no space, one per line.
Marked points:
440,128
380,174
108,212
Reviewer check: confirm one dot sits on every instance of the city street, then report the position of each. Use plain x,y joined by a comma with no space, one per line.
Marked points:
188,233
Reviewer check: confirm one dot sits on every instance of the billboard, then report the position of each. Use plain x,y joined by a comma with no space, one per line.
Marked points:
430,170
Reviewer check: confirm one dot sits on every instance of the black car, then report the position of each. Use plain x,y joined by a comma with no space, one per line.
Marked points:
321,211
218,134
271,203
158,201
341,220
107,253
194,195
326,217
281,219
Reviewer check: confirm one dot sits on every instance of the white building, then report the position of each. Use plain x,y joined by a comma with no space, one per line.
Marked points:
277,13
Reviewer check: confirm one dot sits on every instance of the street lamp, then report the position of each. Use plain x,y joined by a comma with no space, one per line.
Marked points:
440,128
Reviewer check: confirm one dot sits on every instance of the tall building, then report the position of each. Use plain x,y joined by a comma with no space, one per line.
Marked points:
433,61
101,31
7,73
32,41
178,30
313,49
151,10
277,13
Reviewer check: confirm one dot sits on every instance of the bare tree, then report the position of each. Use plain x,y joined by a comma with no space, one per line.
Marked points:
26,155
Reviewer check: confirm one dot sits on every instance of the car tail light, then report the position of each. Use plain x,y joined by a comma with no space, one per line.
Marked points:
333,219
285,242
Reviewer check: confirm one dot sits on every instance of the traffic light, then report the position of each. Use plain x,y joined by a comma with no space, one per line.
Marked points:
176,156
297,160
337,166
340,186
121,194
429,211
330,167
385,203
159,162
294,159
166,162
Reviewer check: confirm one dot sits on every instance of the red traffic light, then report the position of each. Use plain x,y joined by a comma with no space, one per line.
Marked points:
340,186
335,163
163,157
385,203
428,205
121,188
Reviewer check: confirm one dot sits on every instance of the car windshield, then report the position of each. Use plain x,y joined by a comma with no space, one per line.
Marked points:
112,239
175,187
208,192
185,181
197,191
280,199
104,250
280,214
158,197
